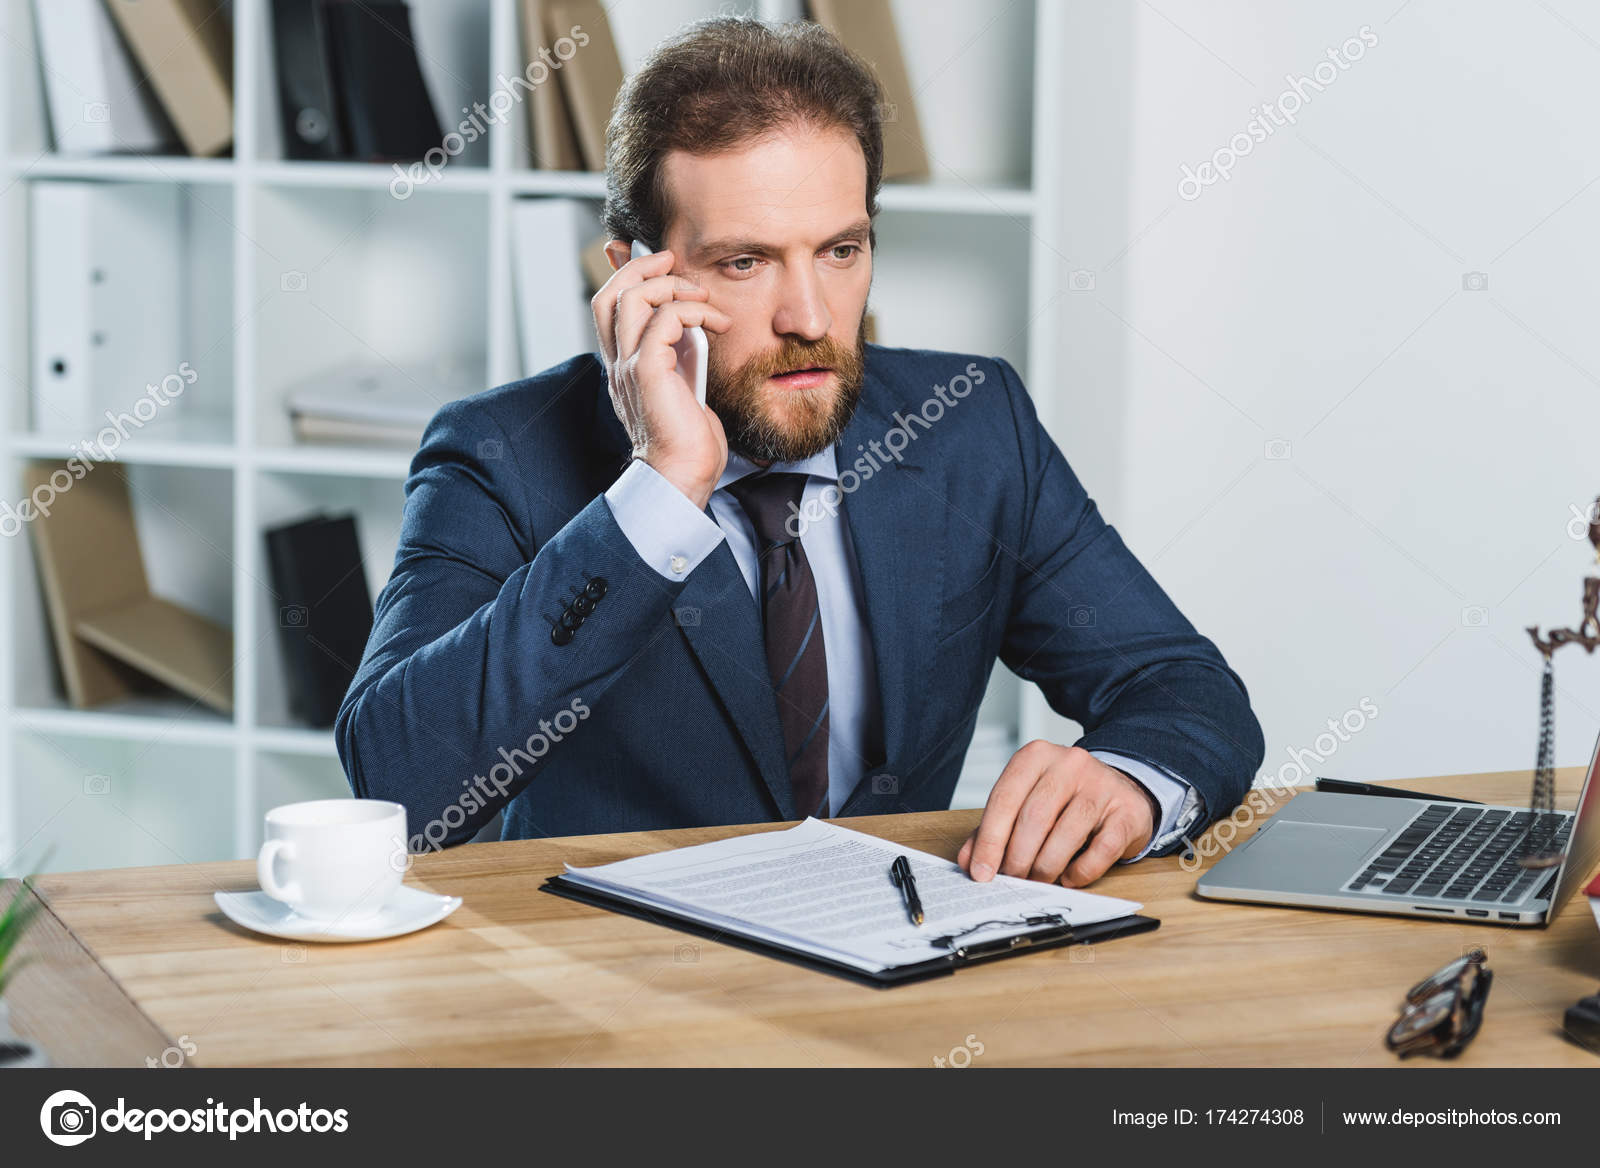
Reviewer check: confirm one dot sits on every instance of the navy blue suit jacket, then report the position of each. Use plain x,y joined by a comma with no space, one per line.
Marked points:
977,543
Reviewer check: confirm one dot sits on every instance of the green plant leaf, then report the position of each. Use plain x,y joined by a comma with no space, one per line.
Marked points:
19,913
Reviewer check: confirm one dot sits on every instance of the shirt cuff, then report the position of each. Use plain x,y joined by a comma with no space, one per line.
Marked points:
669,532
1180,802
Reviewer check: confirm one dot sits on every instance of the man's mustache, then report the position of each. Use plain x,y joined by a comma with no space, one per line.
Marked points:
825,353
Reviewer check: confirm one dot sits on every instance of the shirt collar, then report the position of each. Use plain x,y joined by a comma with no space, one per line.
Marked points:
824,464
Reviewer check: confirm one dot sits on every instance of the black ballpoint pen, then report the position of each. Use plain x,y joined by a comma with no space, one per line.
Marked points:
1346,787
900,873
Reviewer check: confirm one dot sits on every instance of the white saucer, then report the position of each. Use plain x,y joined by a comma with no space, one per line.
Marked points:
410,910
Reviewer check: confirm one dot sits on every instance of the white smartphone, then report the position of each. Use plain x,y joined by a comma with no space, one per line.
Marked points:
691,349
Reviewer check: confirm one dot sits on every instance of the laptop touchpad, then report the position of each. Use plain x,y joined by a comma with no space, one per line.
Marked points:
1311,857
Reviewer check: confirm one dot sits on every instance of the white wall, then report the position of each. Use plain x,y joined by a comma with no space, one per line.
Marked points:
1438,437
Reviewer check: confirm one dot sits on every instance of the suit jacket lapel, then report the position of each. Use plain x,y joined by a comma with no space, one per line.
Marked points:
896,525
720,621
722,626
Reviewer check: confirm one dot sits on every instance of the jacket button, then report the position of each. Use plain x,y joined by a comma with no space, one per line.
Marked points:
583,604
596,588
560,635
571,620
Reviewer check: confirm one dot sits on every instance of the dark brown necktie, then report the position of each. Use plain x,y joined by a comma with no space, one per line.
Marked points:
796,658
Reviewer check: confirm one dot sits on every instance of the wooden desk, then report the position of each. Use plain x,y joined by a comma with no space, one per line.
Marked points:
132,962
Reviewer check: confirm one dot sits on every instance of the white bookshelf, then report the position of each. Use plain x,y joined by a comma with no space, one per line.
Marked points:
163,780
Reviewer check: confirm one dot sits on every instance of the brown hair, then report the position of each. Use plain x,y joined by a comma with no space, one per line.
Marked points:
722,82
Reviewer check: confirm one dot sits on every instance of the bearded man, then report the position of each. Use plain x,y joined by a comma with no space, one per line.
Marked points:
615,609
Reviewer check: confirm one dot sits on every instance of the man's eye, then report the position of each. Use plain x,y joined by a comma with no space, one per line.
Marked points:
844,251
741,264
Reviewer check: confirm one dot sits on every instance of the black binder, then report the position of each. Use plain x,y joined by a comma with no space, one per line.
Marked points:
946,963
307,100
388,115
324,611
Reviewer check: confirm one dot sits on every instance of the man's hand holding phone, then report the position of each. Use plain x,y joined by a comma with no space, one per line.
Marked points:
640,314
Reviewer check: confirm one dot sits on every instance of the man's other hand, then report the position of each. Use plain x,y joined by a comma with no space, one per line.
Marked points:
1057,813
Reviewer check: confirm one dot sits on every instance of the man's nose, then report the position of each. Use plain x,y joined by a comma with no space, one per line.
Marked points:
802,312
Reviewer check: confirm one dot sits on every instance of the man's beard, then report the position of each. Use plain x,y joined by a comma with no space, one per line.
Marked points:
787,425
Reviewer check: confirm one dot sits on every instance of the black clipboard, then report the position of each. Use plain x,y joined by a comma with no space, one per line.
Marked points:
940,966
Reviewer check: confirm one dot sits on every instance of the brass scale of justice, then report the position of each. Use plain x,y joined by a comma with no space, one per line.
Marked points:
1538,849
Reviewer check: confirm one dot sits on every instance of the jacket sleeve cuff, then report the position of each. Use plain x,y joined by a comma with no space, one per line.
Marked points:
1180,803
669,532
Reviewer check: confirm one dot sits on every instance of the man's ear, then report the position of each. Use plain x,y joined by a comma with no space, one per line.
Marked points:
618,252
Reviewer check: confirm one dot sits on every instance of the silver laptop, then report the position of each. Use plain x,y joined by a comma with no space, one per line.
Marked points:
1414,857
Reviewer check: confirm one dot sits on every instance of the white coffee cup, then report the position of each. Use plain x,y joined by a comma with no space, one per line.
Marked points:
333,859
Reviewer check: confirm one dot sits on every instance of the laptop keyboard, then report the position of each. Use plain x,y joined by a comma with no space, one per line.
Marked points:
1458,853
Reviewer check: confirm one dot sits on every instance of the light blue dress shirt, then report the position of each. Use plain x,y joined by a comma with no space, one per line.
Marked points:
673,536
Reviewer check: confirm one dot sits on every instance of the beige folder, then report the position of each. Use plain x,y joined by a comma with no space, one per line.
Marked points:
109,630
177,647
867,28
555,143
185,47
591,79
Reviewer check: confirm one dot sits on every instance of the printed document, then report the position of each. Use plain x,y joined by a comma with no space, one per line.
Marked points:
825,890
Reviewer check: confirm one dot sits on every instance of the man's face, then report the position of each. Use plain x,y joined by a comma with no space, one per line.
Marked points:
777,232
